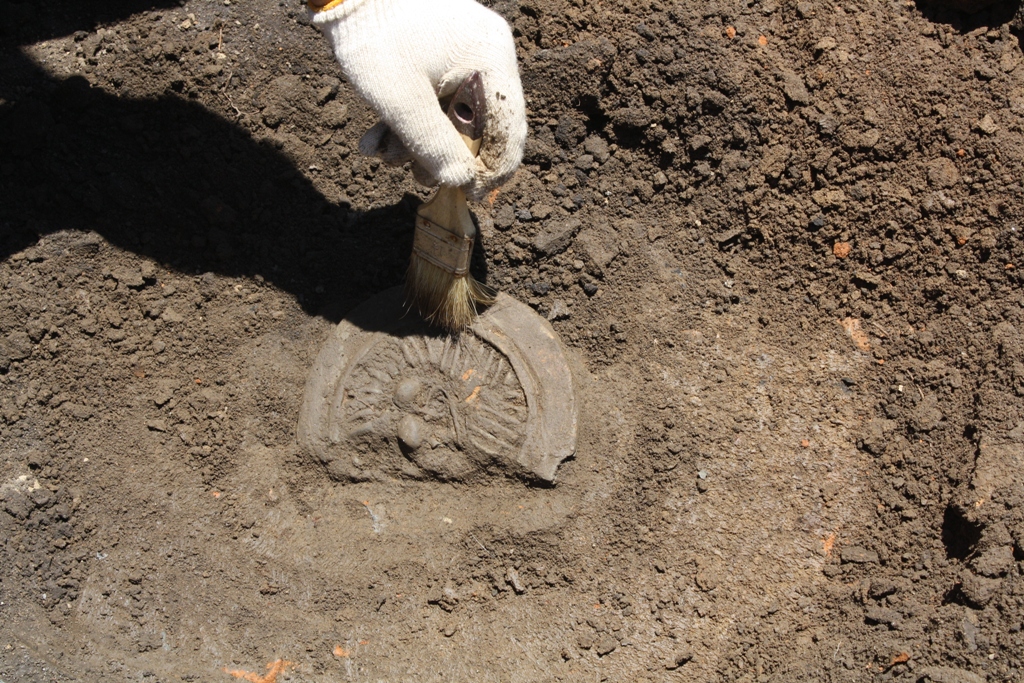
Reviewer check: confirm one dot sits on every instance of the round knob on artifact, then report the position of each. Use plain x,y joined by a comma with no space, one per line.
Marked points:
411,431
407,391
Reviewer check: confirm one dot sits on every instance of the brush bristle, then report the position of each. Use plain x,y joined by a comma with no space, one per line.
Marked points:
444,299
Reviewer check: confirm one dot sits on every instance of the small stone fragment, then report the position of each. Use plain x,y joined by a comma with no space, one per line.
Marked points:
515,581
559,310
988,125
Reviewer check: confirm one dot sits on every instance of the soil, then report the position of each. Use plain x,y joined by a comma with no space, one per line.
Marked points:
781,242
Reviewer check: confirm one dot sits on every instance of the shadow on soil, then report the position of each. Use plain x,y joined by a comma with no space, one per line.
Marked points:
964,16
168,179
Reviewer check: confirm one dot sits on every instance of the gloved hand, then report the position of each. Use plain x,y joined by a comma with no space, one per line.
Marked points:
402,56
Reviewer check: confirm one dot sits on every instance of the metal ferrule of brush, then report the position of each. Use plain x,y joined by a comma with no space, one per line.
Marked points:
442,248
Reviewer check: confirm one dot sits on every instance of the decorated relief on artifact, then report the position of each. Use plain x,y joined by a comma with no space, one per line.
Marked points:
390,398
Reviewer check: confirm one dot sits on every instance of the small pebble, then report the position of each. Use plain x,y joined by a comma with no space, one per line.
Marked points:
559,310
516,582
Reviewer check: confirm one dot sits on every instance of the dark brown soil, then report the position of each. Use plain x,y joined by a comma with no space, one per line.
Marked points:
781,240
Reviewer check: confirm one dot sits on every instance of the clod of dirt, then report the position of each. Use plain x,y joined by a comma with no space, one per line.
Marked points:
555,237
977,591
947,674
794,88
678,659
335,114
606,644
16,346
16,503
927,416
881,615
858,555
993,556
881,588
942,173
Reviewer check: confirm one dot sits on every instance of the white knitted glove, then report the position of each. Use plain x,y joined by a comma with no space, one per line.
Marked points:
402,56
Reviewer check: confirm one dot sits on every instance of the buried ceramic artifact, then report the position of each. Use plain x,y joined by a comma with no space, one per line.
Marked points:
389,397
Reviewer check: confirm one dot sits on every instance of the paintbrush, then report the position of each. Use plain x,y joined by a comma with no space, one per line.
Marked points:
439,284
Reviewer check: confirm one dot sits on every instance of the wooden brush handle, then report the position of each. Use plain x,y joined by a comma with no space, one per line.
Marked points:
448,209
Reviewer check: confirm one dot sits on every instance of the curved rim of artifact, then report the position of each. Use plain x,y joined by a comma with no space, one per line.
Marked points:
524,338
